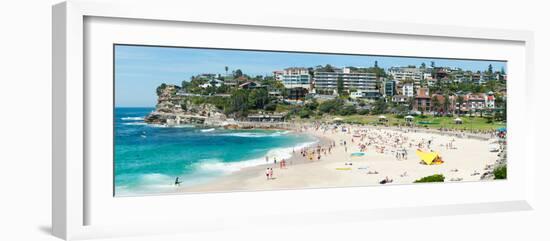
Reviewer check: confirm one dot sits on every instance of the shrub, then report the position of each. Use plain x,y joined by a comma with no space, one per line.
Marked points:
270,107
331,106
363,112
432,178
500,172
347,110
304,113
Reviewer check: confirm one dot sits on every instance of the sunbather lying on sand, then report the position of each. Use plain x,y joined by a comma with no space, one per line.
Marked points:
386,180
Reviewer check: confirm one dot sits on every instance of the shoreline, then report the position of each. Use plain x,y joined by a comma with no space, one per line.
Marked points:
331,170
249,171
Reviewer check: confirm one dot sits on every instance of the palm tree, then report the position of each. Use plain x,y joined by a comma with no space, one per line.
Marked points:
226,69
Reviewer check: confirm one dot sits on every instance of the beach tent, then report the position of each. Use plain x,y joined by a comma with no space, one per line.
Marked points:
429,158
409,119
458,121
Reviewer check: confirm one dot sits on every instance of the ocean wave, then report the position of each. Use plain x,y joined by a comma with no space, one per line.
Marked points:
169,126
135,124
132,118
216,165
147,184
208,130
256,134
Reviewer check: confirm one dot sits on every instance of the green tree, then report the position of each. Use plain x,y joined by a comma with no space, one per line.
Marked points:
340,85
312,105
160,89
258,98
347,110
226,69
491,85
239,102
238,73
331,106
380,106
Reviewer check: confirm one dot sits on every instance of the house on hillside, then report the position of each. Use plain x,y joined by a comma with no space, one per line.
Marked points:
422,100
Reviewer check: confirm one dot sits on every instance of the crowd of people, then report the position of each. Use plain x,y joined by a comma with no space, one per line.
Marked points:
389,141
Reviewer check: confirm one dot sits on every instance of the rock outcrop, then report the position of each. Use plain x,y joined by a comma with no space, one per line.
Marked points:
174,108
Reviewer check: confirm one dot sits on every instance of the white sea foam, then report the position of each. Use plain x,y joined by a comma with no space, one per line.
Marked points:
131,118
215,165
169,126
135,124
208,130
256,134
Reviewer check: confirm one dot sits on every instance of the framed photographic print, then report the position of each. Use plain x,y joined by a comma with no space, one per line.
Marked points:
180,116
275,124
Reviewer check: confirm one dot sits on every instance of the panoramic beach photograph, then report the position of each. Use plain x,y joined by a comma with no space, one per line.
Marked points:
201,120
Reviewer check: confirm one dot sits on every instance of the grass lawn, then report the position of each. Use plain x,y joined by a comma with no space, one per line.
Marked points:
469,123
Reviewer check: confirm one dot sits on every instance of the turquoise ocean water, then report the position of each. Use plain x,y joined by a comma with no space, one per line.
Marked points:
148,158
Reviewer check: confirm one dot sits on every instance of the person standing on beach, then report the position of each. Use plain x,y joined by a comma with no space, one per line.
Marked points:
267,173
270,173
266,159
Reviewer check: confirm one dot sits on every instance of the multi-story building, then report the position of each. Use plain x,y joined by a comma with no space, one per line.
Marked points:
296,78
295,94
389,88
472,102
400,99
422,100
408,90
475,102
444,105
278,75
490,100
406,73
359,81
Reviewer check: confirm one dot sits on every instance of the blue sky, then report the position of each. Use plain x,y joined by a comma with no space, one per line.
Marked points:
140,69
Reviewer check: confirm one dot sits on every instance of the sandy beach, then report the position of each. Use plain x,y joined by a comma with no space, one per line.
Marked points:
388,153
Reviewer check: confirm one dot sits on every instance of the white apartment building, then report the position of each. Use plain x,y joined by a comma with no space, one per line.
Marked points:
278,75
408,90
361,82
404,73
295,77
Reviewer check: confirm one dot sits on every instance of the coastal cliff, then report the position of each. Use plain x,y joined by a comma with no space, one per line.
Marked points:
175,109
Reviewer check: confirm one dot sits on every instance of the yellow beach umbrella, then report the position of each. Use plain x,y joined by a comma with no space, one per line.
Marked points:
427,157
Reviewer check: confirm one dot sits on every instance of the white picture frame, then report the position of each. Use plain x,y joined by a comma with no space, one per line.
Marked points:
72,190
